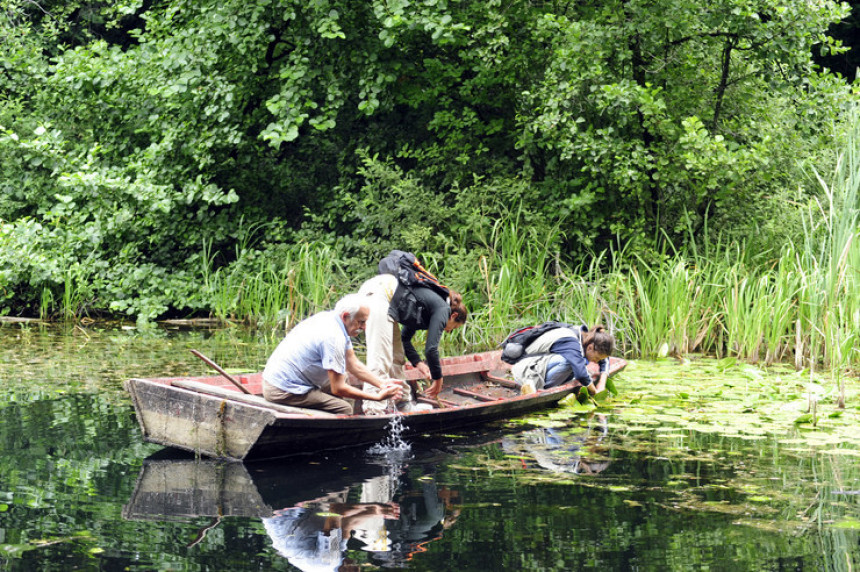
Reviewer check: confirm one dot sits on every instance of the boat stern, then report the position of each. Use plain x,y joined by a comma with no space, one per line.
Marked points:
202,424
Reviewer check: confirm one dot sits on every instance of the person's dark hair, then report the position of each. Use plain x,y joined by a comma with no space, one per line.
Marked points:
602,341
455,297
458,310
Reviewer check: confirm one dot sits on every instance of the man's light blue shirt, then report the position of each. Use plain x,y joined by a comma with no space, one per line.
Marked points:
302,359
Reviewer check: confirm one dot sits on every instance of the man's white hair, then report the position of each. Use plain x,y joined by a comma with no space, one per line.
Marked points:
350,304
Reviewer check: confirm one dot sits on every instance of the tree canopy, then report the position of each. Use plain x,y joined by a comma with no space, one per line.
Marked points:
139,136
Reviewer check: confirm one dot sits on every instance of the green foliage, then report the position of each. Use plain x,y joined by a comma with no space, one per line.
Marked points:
680,107
505,143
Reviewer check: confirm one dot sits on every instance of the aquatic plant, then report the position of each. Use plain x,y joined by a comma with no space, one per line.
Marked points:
828,262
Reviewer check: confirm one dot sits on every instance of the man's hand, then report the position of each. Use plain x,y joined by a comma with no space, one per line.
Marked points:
390,389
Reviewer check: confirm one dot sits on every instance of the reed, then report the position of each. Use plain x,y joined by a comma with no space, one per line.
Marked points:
828,261
75,287
516,273
46,304
777,330
279,289
746,312
720,299
579,294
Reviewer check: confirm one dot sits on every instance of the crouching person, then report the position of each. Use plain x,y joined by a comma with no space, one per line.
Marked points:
561,356
309,367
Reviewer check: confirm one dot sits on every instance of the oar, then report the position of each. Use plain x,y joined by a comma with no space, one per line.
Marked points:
217,368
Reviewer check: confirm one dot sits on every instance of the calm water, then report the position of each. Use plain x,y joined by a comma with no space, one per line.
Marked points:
80,490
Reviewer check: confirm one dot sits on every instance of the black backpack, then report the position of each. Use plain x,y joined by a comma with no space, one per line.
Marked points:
409,272
514,346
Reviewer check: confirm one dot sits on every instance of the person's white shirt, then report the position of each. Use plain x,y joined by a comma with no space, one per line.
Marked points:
302,359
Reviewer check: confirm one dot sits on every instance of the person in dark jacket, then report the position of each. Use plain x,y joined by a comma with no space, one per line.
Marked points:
422,309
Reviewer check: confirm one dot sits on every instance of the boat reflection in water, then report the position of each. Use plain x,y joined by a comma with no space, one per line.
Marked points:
318,533
580,450
314,512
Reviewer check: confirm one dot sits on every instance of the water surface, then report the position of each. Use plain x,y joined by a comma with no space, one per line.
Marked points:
658,481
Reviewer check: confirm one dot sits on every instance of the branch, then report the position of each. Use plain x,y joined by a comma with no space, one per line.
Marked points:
699,36
724,81
39,6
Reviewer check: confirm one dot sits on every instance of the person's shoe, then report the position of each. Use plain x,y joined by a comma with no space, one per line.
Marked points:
527,388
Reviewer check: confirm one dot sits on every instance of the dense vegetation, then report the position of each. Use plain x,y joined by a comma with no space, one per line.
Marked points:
254,160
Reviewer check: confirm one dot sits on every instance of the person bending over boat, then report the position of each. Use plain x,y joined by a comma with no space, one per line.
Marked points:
309,367
393,305
561,355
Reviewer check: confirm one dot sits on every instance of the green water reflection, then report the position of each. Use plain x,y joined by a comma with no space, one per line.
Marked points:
619,489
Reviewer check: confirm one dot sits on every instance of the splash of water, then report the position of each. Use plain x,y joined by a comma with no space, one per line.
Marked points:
392,445
392,452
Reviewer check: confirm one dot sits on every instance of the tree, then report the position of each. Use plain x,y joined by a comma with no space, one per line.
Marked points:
136,132
674,109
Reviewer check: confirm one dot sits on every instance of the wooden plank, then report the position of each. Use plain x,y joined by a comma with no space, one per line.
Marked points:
435,403
474,395
501,381
255,400
198,422
458,365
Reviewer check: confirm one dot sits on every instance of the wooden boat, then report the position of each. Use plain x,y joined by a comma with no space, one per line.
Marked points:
211,416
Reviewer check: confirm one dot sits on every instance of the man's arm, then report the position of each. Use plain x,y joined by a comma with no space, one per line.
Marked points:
341,388
361,371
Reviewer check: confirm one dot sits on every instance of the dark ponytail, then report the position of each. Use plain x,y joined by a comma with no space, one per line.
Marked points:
458,310
602,341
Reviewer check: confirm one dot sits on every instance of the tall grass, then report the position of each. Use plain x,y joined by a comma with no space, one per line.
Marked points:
279,289
761,313
516,273
828,261
71,303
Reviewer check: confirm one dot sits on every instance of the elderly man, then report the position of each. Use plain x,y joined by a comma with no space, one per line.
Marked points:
309,367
